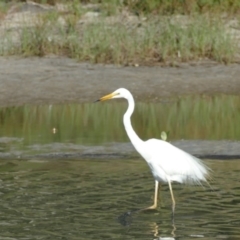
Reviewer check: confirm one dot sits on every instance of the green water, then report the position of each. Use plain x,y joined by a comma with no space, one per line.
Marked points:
205,118
86,199
91,198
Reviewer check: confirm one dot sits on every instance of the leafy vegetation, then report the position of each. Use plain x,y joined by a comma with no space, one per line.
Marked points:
152,38
158,6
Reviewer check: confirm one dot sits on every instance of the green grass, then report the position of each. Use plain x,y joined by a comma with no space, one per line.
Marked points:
183,6
158,40
158,6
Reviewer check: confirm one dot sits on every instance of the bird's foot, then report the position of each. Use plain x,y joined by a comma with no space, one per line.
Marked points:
154,206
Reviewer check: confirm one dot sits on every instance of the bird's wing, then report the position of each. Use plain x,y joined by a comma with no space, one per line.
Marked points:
175,162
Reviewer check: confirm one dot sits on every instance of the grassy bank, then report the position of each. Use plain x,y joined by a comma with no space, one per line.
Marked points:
130,34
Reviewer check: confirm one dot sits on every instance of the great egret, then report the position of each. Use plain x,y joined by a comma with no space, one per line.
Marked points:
167,162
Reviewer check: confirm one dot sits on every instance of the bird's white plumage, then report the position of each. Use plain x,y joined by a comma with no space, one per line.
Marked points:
167,162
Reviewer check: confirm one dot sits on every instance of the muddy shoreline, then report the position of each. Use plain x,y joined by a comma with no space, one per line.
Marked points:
204,149
54,80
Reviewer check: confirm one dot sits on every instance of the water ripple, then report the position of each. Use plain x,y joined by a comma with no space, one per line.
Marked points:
98,200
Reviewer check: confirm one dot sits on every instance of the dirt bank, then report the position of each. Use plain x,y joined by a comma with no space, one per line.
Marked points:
55,80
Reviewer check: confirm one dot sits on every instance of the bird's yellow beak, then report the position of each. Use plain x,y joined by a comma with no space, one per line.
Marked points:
106,97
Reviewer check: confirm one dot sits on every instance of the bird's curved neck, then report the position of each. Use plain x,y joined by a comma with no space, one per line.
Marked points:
136,141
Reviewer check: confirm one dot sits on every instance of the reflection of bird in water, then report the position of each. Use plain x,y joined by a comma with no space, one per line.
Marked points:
155,230
167,162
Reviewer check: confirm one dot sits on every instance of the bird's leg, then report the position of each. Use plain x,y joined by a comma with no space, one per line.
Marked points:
154,206
173,200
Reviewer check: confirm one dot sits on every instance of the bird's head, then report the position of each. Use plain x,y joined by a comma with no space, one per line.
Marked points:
119,93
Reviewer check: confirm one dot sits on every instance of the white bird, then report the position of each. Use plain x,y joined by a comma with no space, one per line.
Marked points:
167,162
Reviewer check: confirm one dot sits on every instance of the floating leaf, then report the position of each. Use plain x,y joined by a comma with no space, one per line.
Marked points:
164,136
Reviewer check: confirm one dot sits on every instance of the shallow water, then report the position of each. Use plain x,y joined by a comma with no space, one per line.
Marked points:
91,197
87,200
30,130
